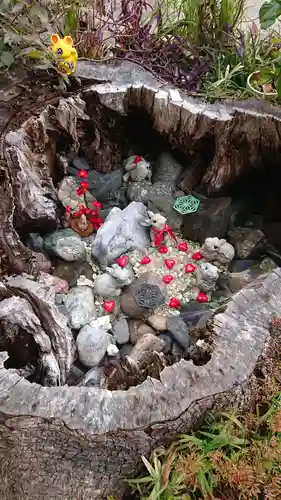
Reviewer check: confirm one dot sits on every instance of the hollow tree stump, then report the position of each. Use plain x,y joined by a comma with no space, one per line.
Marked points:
70,443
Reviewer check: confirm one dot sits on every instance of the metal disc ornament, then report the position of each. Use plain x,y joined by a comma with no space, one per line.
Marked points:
148,296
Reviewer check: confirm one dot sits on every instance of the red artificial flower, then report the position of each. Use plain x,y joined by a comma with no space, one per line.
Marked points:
67,209
83,174
84,185
137,159
79,191
88,211
96,204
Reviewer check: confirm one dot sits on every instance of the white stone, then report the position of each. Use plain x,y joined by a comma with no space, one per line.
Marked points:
92,343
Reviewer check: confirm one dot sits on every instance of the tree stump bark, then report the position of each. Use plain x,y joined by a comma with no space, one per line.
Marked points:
70,443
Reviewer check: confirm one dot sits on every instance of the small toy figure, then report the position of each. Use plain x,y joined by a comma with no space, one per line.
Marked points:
137,169
66,53
160,231
109,284
217,251
206,277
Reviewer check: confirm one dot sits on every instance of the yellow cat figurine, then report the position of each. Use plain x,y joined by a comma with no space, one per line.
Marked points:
64,50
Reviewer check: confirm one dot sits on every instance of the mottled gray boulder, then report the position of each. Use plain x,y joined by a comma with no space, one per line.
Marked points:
93,377
102,184
122,231
179,331
211,219
65,244
167,169
121,331
139,191
80,306
92,342
248,242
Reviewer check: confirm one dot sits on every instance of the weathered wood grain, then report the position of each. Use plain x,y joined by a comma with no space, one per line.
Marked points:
99,435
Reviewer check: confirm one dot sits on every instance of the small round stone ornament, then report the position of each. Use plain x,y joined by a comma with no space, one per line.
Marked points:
148,296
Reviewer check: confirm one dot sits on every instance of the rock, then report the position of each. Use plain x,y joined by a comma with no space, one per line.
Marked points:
139,191
116,198
121,331
70,271
76,373
137,328
200,353
68,196
158,322
103,184
168,343
268,265
148,286
211,219
218,251
65,244
179,331
237,266
92,342
167,169
35,241
147,342
122,231
248,243
80,305
93,377
60,286
196,314
79,163
206,277
272,231
125,350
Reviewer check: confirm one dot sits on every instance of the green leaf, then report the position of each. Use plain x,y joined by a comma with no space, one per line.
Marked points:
39,13
70,20
269,13
278,84
7,58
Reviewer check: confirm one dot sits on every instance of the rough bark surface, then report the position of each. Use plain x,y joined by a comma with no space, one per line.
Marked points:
64,443
70,443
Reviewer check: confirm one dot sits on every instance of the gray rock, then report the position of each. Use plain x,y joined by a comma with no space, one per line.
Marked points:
101,185
147,342
80,306
179,331
65,244
125,350
167,169
92,342
80,163
206,277
158,322
248,243
128,302
168,343
35,241
137,328
211,219
93,377
121,331
139,191
121,232
239,265
76,373
196,314
70,271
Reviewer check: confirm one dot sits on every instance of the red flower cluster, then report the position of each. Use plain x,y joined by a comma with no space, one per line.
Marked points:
93,215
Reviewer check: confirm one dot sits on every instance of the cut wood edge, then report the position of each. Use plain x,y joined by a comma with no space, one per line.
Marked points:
242,336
